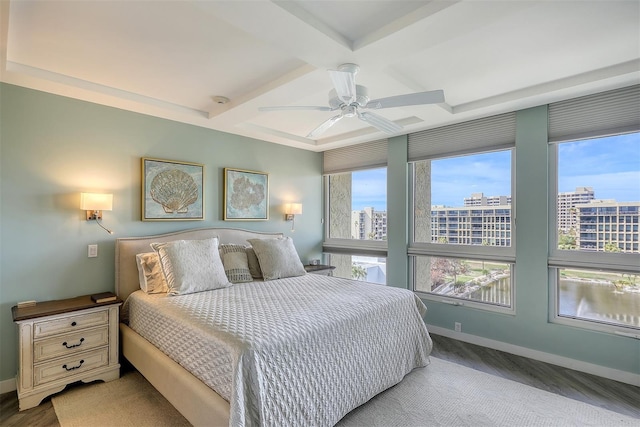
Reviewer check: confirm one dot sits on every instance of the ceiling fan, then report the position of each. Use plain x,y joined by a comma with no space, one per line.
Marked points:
350,98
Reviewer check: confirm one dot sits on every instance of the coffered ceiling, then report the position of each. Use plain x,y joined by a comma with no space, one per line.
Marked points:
170,59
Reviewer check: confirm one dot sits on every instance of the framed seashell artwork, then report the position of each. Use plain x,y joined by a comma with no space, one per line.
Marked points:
246,195
172,190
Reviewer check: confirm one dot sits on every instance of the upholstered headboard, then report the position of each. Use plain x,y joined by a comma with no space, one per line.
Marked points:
128,247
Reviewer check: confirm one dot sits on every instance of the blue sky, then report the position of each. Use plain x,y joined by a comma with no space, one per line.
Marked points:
610,165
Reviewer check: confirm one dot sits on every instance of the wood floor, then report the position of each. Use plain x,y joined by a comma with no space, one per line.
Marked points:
597,391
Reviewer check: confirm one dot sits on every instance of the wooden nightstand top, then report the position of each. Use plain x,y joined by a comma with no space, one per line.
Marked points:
48,308
319,267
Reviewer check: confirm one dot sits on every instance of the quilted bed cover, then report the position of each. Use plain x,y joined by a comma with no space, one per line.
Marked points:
301,351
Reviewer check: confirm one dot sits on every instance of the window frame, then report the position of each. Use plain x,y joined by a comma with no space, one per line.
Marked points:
598,261
472,252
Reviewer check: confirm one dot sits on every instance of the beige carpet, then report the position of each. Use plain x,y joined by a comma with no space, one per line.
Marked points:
442,394
128,401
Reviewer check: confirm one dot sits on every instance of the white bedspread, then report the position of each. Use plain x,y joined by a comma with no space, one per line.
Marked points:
301,351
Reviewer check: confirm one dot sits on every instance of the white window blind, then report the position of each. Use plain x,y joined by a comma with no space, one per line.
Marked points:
607,113
489,133
356,157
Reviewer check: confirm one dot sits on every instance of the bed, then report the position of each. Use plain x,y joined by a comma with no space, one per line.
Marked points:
300,350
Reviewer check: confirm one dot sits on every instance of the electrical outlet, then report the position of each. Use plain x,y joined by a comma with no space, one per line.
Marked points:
458,327
92,251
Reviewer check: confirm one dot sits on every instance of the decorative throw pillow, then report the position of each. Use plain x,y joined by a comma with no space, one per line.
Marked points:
191,265
278,258
150,273
254,264
236,266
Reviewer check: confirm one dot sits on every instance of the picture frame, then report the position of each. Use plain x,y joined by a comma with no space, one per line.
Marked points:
172,190
246,195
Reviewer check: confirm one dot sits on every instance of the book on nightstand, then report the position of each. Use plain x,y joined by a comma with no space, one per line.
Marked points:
103,297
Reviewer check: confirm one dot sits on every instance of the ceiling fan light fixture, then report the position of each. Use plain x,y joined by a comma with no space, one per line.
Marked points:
361,98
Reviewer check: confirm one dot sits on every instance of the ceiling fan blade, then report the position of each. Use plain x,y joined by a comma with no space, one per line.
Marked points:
385,125
294,107
345,84
324,126
430,97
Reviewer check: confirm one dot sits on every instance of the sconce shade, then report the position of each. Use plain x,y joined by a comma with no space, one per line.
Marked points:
96,202
294,209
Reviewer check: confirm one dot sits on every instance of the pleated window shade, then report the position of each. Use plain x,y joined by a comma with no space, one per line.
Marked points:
491,133
356,157
607,113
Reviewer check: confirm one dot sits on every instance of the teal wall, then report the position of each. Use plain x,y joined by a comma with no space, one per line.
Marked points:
397,212
52,148
530,326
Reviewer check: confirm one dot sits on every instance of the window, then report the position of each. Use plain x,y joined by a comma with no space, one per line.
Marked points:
363,268
462,227
467,200
358,205
462,240
605,297
356,211
595,261
482,281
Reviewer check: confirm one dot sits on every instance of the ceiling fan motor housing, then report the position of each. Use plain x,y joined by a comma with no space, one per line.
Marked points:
362,98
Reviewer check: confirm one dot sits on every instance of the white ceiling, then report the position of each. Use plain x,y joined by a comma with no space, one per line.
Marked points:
170,58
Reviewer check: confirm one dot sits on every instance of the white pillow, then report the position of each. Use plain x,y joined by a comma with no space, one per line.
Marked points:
150,273
278,258
191,265
236,265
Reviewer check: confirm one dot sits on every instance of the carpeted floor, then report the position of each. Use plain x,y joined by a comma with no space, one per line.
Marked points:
442,394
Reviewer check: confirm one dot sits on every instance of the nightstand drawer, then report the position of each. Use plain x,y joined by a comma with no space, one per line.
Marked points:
67,366
70,343
70,323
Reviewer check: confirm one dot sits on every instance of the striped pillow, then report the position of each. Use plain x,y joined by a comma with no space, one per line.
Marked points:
236,266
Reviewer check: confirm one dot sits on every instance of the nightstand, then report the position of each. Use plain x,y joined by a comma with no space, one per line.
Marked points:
64,341
325,270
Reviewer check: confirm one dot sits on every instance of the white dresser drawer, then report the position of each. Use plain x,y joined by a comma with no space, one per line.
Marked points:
67,366
71,343
70,323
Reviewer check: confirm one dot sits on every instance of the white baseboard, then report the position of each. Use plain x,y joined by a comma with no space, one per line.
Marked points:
554,359
7,385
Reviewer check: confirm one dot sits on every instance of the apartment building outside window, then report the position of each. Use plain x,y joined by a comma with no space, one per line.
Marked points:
472,231
594,255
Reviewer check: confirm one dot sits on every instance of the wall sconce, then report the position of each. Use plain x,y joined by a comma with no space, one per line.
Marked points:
290,211
94,204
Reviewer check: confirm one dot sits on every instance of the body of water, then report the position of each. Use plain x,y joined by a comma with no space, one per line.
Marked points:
599,302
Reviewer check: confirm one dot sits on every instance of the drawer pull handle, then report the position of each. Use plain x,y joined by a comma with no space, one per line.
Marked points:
73,323
73,367
73,345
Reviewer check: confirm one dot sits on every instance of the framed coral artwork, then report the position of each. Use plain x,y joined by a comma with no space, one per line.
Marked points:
246,195
172,190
